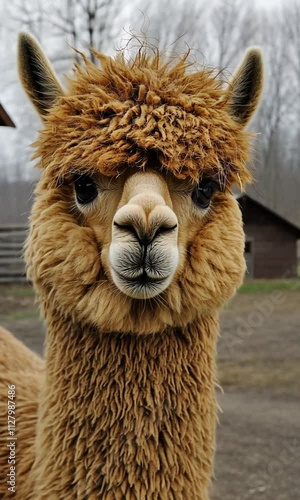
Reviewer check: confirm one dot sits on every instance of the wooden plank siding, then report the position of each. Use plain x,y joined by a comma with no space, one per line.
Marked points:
274,242
12,239
15,202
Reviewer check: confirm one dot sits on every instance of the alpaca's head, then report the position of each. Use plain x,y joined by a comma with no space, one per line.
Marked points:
134,226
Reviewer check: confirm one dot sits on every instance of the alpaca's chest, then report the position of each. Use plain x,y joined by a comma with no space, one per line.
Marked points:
141,439
134,454
135,419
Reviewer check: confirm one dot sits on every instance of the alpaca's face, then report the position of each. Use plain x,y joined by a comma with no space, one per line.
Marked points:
137,252
134,227
149,216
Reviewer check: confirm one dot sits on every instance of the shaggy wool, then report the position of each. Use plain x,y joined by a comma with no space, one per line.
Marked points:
133,420
115,116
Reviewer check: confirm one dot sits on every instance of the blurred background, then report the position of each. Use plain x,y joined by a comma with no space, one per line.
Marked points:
258,446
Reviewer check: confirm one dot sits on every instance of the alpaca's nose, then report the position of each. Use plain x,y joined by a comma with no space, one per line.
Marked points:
144,251
145,217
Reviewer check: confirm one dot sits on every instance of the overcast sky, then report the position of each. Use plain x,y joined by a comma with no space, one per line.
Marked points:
269,3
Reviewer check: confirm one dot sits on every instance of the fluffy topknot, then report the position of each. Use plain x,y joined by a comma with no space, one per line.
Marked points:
126,113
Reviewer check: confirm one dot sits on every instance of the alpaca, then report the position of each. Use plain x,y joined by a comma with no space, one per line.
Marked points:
135,243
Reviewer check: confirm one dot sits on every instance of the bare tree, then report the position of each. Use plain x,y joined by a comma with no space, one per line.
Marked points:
88,24
27,15
291,27
276,112
221,29
233,28
176,30
84,24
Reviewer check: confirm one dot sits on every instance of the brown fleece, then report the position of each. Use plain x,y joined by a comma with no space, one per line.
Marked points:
126,408
130,422
112,117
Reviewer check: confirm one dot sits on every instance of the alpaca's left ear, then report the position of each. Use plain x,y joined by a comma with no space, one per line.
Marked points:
36,74
245,89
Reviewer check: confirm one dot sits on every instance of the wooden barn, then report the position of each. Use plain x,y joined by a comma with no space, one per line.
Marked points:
11,236
271,242
5,120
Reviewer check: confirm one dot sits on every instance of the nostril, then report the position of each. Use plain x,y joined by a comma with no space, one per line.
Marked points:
142,238
126,227
164,230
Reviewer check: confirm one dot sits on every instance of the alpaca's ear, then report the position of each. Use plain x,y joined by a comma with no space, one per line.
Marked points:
37,75
246,87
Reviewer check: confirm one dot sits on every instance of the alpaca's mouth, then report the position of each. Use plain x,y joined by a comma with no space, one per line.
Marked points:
142,286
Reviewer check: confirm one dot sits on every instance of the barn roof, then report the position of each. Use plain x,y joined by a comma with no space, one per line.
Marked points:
5,120
292,226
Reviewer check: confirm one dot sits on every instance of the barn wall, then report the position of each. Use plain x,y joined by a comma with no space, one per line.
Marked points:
12,266
274,247
15,201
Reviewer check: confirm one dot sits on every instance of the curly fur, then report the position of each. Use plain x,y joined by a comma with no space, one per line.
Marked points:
127,408
113,116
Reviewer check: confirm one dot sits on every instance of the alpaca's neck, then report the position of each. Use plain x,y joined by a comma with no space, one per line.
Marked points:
127,416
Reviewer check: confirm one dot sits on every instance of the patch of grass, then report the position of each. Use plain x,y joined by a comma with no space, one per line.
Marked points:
17,315
17,290
277,375
269,285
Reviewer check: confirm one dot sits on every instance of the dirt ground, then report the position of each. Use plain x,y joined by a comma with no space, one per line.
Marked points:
258,441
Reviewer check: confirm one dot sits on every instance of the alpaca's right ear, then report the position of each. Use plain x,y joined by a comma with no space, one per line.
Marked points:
37,75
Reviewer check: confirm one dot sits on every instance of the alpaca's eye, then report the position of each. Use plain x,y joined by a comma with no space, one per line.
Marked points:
203,192
86,189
